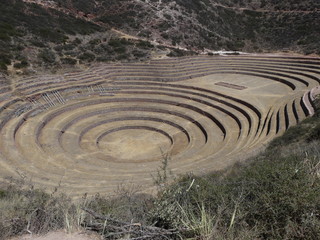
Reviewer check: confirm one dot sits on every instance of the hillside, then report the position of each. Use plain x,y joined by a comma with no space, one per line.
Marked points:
34,37
158,119
55,34
232,25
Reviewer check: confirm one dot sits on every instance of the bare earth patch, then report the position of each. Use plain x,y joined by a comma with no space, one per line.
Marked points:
60,235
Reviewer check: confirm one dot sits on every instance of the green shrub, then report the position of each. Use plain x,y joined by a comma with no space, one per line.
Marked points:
3,193
77,41
69,46
47,56
104,58
6,31
138,53
144,44
293,134
164,26
38,43
4,37
115,42
21,64
55,36
165,35
5,58
3,66
126,41
123,56
177,53
68,60
87,56
314,134
120,50
145,33
95,41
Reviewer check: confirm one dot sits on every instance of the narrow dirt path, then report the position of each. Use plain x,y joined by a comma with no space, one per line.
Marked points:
265,10
61,235
91,17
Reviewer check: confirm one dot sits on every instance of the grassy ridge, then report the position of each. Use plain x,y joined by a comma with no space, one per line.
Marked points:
274,197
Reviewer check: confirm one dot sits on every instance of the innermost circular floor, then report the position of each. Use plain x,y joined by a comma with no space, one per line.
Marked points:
135,144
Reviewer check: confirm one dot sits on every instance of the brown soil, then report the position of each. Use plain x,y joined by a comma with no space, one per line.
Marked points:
60,235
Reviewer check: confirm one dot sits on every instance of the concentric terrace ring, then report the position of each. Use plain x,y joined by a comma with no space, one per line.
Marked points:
89,131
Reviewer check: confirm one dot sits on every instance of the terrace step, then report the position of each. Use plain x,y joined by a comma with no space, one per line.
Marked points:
90,131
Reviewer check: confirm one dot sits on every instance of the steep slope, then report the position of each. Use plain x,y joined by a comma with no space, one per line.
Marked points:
234,24
40,34
28,29
62,33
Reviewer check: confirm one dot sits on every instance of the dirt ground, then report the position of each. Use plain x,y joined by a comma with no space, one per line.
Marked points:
60,235
87,132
